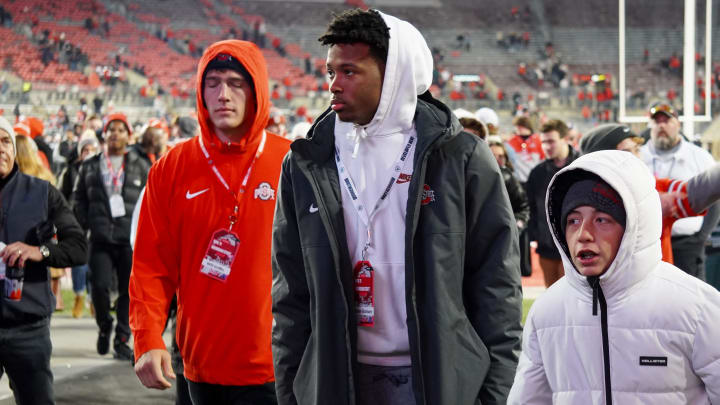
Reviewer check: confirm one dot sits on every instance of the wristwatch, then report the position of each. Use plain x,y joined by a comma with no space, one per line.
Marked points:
44,251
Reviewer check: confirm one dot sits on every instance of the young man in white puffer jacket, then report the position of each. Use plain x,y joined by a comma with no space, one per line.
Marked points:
622,327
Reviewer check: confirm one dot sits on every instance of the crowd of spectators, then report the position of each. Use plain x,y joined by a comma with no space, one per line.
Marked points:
55,47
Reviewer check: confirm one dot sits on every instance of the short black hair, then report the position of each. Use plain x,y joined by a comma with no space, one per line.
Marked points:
358,25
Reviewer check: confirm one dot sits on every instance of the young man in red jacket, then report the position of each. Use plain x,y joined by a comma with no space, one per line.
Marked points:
204,233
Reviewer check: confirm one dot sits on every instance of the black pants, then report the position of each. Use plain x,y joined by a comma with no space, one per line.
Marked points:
104,260
25,357
211,394
689,255
380,385
182,391
181,385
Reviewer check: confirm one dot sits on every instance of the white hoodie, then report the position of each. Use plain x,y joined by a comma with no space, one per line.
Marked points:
408,73
654,310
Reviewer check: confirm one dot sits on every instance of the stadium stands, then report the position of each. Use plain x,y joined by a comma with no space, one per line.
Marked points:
160,40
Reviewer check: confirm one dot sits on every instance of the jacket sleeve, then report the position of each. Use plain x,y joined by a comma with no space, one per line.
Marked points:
492,290
706,351
154,276
71,249
290,295
79,200
518,199
533,231
531,385
65,182
704,189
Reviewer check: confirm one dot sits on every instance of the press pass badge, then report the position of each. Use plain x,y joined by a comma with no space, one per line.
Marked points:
117,206
220,255
364,293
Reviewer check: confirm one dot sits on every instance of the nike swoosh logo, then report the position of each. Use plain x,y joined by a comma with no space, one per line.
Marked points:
190,195
313,209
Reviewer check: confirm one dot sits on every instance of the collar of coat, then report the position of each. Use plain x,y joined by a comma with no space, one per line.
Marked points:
434,123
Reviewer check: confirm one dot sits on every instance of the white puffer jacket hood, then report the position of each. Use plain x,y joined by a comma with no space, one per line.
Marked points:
654,338
640,247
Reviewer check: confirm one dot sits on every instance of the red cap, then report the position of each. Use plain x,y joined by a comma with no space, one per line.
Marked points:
35,125
117,117
159,124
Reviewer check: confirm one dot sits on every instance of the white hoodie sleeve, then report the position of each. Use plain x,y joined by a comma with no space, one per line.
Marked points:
531,386
706,350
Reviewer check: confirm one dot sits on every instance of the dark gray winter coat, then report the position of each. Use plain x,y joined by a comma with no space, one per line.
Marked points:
463,291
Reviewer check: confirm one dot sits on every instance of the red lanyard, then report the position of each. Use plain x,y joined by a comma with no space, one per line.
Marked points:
219,176
115,177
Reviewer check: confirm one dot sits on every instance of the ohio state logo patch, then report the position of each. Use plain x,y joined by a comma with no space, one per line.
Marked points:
428,195
404,178
264,191
223,57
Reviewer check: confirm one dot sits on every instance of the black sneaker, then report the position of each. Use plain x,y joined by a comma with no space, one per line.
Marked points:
103,343
123,351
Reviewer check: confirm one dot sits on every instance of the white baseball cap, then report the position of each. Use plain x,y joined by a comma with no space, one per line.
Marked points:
463,113
487,116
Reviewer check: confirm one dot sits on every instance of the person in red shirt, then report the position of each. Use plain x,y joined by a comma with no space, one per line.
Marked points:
204,234
527,147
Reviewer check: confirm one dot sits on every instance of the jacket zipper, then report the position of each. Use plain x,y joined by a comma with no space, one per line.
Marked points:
598,296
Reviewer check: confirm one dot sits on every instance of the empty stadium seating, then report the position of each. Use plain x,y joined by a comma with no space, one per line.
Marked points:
584,37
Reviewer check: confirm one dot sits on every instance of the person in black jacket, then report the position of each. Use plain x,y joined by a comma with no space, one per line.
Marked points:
86,147
415,301
558,154
105,193
518,200
516,192
31,212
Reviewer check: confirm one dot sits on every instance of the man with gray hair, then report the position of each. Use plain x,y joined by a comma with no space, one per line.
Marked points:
32,211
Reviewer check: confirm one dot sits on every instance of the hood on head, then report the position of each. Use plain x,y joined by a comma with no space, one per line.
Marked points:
253,60
639,250
408,74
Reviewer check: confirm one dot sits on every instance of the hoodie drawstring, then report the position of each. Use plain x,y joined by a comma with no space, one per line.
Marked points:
355,136
595,284
598,296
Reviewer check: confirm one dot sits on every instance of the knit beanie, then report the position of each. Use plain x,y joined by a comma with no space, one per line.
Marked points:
117,117
227,61
188,127
596,193
5,125
606,137
85,141
36,126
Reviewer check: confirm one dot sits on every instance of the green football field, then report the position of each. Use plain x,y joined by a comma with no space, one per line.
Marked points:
526,307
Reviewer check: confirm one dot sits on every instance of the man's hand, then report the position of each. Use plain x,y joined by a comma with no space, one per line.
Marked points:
151,366
17,253
667,203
